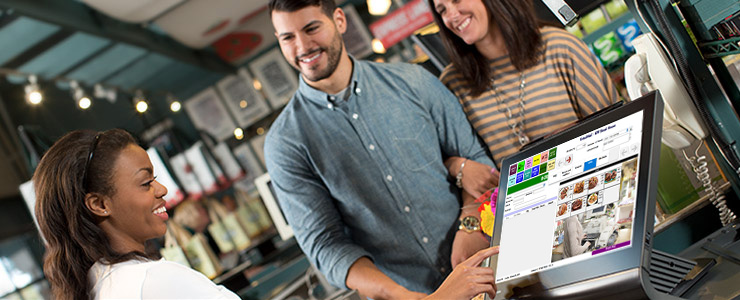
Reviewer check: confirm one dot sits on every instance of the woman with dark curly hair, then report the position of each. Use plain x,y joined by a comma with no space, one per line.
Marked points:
97,203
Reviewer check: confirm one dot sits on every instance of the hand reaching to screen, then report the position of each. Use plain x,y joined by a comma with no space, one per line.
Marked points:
468,279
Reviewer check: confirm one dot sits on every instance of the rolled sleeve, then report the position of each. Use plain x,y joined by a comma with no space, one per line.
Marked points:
310,211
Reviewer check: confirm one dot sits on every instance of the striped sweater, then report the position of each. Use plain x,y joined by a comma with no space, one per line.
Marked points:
568,83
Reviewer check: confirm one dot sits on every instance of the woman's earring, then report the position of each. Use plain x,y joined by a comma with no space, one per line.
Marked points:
105,211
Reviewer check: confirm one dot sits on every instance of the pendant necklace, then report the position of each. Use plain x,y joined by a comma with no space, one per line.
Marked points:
516,124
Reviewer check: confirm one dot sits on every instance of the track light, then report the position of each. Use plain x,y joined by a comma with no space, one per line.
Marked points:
33,93
175,105
140,102
83,101
378,7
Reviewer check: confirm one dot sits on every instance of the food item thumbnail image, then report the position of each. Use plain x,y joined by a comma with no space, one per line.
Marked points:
578,188
593,182
610,176
593,199
576,204
562,209
564,192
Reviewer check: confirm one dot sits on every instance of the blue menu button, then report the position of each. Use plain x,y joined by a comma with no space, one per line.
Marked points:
589,165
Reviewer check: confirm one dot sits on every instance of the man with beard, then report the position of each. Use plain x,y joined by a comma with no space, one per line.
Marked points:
356,160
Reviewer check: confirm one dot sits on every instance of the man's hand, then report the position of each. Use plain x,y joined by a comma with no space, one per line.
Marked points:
465,245
468,279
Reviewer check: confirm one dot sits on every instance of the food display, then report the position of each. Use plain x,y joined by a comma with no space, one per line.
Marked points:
562,209
610,176
592,182
593,198
577,204
578,188
563,193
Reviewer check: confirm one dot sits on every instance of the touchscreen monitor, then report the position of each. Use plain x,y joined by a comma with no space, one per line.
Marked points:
573,206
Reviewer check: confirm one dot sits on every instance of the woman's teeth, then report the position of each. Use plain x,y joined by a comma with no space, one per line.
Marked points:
160,210
463,25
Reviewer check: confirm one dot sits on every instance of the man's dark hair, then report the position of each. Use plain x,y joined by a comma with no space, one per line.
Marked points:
327,6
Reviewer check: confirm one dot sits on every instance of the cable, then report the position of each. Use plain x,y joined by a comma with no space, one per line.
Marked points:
699,166
680,64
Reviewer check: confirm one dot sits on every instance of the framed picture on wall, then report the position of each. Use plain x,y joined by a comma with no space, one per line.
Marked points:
209,114
279,80
245,103
357,38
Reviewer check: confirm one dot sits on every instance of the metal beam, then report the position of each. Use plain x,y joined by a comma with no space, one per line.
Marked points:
77,16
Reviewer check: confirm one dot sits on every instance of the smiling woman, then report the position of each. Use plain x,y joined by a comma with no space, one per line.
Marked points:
516,78
97,204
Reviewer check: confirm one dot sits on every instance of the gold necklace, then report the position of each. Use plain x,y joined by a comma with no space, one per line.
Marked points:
517,126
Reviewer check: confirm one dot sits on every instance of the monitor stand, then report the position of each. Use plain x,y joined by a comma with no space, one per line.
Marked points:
666,271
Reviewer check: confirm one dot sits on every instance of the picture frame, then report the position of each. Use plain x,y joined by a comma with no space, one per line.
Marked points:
245,103
279,80
208,113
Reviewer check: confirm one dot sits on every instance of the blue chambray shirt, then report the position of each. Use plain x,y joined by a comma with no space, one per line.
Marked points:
365,176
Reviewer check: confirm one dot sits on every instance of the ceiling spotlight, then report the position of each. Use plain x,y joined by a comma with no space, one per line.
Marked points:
378,7
33,93
243,103
140,102
83,101
238,133
378,46
175,104
141,106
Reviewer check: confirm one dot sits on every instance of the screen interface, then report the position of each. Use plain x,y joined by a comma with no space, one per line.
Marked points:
571,202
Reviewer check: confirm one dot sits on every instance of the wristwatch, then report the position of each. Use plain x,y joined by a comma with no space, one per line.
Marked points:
469,224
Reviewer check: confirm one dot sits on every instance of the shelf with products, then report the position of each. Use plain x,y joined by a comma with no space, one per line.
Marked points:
612,26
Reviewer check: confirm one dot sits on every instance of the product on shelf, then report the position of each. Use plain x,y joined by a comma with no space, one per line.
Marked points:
608,48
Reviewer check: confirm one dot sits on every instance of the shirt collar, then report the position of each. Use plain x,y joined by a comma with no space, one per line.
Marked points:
322,98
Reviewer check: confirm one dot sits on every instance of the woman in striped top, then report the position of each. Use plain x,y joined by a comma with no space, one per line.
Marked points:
516,80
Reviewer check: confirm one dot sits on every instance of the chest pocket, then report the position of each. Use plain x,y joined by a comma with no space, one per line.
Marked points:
417,147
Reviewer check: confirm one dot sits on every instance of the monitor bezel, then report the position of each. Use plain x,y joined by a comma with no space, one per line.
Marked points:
614,261
273,208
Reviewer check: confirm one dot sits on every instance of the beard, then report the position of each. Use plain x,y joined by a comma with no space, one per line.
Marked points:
333,54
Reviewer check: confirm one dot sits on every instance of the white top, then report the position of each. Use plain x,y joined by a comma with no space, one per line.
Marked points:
160,279
573,237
